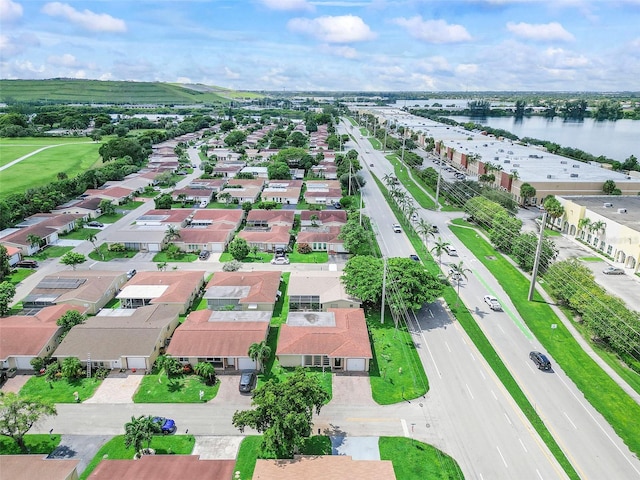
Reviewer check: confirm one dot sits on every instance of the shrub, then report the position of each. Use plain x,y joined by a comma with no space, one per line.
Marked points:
304,248
232,266
117,247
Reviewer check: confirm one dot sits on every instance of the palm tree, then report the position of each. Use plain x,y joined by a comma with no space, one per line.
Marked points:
458,272
584,224
206,371
34,240
439,247
260,352
554,208
182,198
425,229
226,197
162,266
171,234
387,179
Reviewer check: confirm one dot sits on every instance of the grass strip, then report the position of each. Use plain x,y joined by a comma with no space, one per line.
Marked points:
414,460
403,176
42,444
600,390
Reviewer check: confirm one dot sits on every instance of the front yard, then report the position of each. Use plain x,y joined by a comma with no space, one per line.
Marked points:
158,388
60,391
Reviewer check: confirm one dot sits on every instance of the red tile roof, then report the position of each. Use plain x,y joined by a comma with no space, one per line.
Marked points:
325,467
275,234
349,337
325,216
180,284
324,235
169,467
264,285
271,216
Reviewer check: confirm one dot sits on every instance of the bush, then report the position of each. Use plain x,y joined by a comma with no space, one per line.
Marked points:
37,363
117,247
232,266
304,248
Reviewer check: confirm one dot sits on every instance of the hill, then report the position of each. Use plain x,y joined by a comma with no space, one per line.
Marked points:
61,90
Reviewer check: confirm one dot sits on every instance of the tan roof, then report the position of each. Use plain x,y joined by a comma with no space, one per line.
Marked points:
165,467
348,338
275,234
218,215
328,285
180,284
263,286
200,337
27,335
322,234
330,192
204,235
28,467
96,284
271,216
322,184
246,182
116,333
323,467
173,215
112,192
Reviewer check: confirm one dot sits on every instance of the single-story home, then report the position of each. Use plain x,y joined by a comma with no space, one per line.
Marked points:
286,192
222,338
336,339
258,172
89,289
115,194
323,192
17,467
323,218
322,239
213,239
175,217
191,195
89,206
45,226
317,291
121,338
166,467
270,218
168,288
14,254
256,291
213,184
327,467
25,337
247,193
267,239
140,238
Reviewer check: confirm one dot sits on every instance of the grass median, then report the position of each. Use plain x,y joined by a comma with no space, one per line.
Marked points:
604,394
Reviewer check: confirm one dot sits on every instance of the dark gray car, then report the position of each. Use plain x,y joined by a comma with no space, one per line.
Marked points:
248,381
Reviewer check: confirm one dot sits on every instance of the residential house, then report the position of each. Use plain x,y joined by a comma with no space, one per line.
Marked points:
213,184
89,289
27,467
267,239
286,192
336,339
322,239
191,195
323,218
14,254
318,291
115,194
121,338
227,170
257,172
327,467
25,337
221,338
242,190
45,226
256,291
167,288
270,218
165,467
87,206
210,229
323,192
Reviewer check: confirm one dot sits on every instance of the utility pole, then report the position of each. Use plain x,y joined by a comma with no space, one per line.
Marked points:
536,262
438,185
384,287
349,176
386,129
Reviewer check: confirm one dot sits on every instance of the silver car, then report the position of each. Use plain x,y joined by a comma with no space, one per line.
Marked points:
613,271
493,303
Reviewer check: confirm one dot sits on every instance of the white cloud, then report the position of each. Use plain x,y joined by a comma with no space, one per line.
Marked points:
467,69
559,58
183,80
288,5
10,11
340,51
66,60
228,73
540,32
11,46
433,31
340,29
94,22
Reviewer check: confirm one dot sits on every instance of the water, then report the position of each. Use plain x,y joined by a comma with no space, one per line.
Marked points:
616,140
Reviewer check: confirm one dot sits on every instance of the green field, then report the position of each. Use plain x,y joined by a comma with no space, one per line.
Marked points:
95,91
72,156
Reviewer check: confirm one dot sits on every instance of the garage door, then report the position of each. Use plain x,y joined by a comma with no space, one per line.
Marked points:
22,363
136,362
246,364
355,364
154,247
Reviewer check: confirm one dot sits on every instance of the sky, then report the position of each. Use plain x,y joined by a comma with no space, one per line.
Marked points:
329,45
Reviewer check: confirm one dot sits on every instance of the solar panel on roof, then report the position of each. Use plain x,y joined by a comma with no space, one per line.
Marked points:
61,283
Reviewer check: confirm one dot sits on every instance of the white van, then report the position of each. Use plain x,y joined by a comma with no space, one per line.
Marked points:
451,250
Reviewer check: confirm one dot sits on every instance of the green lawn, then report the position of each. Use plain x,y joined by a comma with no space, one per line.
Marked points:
414,460
157,388
110,218
106,255
250,450
19,274
396,372
114,449
60,391
80,234
130,205
50,252
590,259
281,308
10,153
260,257
161,257
36,444
313,257
622,413
69,157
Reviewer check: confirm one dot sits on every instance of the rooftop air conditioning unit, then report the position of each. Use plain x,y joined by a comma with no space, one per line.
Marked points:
496,158
516,164
549,176
563,162
608,205
622,210
574,175
575,166
513,170
507,161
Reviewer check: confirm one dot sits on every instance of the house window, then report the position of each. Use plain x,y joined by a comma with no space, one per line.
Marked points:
183,359
609,249
316,361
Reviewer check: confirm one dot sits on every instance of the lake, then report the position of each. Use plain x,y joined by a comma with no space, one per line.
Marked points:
617,140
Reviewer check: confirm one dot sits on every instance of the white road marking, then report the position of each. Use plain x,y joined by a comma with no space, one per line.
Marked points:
539,475
472,356
482,375
447,345
494,395
523,447
502,457
472,397
405,430
501,329
433,360
508,419
573,424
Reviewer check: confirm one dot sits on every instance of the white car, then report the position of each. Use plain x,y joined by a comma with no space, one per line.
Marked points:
396,228
493,303
280,261
451,250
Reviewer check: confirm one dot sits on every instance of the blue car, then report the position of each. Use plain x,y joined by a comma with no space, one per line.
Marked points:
167,425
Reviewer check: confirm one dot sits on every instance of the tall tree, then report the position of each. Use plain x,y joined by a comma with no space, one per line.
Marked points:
554,208
140,430
7,292
260,352
426,230
5,268
284,412
527,192
439,247
73,259
18,415
70,319
239,248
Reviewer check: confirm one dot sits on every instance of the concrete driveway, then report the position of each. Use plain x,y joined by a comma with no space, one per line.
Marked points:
116,390
359,448
228,393
351,390
79,447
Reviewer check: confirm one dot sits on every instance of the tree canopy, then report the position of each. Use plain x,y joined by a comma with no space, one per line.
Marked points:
18,415
284,412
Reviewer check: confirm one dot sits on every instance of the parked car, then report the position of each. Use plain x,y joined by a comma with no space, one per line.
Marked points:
27,264
493,303
280,261
415,257
337,205
131,273
435,228
95,224
248,381
396,228
451,250
166,425
541,360
204,254
613,271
